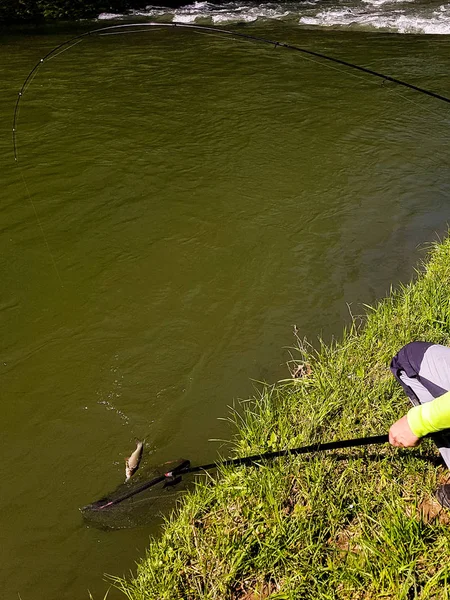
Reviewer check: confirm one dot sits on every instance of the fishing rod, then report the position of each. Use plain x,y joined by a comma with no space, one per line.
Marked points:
174,476
185,468
139,27
115,29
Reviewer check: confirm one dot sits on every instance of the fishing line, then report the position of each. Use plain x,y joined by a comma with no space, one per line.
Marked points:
340,71
307,54
419,106
30,77
139,27
431,158
122,32
322,64
39,222
64,50
41,228
49,56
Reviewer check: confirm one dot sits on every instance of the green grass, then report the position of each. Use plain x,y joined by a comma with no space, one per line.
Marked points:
327,526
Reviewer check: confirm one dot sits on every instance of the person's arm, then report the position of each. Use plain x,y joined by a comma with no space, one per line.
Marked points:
421,420
430,416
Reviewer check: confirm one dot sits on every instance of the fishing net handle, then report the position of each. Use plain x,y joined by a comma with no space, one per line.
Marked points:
318,447
184,467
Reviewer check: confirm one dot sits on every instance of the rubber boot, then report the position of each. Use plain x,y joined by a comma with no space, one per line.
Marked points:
443,495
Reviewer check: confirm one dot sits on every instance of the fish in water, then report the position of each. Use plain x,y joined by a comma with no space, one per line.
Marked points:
132,462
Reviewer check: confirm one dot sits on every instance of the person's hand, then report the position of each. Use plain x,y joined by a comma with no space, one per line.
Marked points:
400,434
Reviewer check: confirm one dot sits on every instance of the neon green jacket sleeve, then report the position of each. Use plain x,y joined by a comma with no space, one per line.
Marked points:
430,416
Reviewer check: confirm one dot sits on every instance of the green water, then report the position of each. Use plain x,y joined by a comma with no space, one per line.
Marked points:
180,202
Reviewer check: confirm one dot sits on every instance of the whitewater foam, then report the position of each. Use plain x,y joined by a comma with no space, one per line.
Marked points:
401,16
438,22
109,16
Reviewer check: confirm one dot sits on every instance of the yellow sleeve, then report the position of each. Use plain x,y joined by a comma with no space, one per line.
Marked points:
430,416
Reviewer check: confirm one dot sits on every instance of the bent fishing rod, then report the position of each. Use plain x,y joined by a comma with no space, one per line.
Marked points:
133,27
184,468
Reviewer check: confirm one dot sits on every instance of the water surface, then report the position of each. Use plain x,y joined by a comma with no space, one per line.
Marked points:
180,202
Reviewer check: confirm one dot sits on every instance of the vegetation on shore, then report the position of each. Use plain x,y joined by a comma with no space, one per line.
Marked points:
359,525
37,10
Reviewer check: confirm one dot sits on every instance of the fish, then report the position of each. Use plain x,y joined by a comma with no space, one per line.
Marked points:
132,462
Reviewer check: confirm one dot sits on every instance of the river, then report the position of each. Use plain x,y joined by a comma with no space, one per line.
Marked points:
180,201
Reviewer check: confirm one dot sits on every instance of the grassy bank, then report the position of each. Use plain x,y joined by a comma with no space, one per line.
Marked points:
359,525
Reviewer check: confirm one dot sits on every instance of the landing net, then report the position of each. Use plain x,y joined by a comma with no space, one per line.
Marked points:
139,502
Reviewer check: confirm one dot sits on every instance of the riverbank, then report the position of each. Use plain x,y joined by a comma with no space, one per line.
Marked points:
359,525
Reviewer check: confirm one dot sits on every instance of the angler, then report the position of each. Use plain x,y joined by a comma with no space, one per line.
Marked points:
423,369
